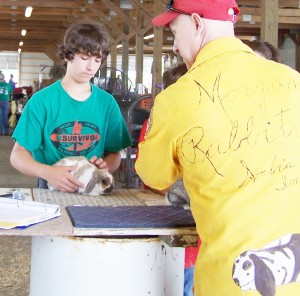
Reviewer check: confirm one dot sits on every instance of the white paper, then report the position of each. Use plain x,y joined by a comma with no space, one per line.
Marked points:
19,213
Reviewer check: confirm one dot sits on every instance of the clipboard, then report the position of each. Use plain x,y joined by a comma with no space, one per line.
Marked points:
130,217
23,213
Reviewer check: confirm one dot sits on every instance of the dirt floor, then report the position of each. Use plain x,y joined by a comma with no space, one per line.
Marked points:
14,251
14,265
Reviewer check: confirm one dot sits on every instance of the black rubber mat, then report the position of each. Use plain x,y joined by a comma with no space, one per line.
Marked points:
130,217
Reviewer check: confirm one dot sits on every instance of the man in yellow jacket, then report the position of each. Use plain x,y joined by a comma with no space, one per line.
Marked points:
231,128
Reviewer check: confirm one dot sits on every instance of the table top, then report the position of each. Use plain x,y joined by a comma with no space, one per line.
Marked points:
62,226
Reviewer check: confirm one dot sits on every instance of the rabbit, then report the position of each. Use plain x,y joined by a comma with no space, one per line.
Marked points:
177,195
96,181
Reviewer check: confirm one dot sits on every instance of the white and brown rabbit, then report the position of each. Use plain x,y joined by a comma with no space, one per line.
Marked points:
177,195
96,181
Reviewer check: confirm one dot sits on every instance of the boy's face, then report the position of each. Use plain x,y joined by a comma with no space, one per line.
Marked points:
83,67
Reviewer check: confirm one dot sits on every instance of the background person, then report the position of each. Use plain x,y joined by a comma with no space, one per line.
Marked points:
264,49
235,141
72,116
11,81
5,94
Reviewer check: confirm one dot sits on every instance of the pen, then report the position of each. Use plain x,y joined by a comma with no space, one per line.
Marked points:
14,195
9,195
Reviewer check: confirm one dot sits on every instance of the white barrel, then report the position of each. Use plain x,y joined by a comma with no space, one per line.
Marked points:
74,266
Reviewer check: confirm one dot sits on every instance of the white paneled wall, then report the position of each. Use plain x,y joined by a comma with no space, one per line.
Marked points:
33,66
9,61
9,65
288,53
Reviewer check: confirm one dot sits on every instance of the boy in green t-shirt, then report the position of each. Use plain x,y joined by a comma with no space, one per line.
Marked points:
71,117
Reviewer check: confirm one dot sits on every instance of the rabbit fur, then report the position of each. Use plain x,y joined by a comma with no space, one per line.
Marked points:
96,181
177,195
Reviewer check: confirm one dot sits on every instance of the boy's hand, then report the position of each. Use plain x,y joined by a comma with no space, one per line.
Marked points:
98,162
61,178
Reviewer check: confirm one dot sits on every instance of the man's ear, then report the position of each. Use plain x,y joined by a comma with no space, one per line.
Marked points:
198,22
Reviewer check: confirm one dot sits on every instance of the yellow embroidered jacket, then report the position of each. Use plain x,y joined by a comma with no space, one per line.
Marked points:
231,128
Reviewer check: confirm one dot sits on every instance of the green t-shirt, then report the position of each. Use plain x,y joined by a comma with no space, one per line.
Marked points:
5,91
53,125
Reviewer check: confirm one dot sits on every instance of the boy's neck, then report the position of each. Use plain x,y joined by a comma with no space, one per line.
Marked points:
78,91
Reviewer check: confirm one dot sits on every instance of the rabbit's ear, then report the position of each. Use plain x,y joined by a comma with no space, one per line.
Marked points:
91,185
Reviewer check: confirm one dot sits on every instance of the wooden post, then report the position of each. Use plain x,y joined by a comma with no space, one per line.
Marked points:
113,51
139,42
157,49
269,21
125,56
113,57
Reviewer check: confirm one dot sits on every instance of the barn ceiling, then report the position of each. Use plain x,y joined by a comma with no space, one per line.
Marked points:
50,19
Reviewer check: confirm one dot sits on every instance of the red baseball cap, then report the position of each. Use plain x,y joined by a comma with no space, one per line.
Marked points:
222,10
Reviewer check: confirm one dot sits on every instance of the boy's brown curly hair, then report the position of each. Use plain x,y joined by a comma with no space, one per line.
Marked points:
87,38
